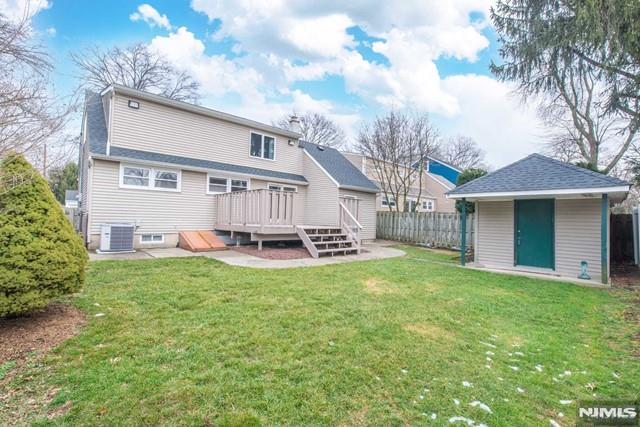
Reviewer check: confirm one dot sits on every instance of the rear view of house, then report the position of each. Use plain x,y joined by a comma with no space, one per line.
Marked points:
153,168
541,215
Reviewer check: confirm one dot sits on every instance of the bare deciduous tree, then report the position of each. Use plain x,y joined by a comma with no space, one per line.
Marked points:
317,128
581,127
136,66
398,144
462,152
29,114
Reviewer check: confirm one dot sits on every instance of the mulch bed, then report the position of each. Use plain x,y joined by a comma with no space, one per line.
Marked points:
625,276
39,331
274,252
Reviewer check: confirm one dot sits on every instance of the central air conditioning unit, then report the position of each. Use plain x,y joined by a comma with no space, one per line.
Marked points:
116,238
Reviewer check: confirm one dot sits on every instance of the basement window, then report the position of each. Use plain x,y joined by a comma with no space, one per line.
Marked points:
152,238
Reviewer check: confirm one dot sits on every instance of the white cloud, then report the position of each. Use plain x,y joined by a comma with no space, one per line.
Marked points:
280,42
490,113
16,10
151,16
51,31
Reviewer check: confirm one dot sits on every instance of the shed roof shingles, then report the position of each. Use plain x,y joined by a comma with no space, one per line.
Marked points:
538,173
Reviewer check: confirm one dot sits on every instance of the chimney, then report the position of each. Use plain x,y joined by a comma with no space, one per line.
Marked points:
294,123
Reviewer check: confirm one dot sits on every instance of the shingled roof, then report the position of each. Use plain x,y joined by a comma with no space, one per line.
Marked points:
538,173
339,168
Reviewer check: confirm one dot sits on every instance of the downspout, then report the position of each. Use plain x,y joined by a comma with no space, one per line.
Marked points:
463,237
604,246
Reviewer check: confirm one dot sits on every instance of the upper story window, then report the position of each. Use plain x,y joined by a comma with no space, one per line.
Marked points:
216,184
144,177
263,146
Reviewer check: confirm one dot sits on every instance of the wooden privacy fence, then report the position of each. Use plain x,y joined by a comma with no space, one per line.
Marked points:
442,230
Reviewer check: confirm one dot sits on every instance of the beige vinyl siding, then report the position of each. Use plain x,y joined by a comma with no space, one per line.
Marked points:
367,212
578,223
163,129
495,233
152,211
321,201
438,190
355,159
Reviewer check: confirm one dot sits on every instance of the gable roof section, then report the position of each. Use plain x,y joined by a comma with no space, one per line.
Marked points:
121,153
198,109
339,168
538,173
96,126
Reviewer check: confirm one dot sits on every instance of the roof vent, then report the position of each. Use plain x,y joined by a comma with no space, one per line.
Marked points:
320,147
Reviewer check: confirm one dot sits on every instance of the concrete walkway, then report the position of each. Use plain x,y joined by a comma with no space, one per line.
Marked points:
371,251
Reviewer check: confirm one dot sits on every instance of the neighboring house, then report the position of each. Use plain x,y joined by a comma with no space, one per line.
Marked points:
544,216
430,198
169,167
443,169
71,199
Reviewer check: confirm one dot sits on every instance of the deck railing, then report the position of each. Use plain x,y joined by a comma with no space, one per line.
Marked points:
261,207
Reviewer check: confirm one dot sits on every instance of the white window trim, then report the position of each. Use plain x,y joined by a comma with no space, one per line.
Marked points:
152,242
275,141
426,208
229,179
277,184
152,175
386,203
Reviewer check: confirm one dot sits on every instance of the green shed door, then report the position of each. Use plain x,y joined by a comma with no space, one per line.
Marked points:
534,232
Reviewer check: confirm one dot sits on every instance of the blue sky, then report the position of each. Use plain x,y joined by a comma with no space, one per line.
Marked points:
348,61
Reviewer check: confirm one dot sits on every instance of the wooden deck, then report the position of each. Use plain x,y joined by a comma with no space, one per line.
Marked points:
277,215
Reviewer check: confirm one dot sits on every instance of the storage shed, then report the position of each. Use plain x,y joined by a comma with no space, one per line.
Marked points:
541,215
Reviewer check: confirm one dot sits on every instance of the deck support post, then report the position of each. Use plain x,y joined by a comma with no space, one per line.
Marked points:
259,245
604,253
463,233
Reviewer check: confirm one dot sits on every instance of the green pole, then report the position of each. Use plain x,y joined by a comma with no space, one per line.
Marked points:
604,255
463,238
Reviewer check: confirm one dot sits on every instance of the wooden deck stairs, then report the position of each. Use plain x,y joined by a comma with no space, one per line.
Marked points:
327,241
200,241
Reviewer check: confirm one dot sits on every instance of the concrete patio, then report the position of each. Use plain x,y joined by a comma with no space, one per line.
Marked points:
371,251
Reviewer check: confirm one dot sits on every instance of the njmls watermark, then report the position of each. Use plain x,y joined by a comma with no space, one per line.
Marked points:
608,413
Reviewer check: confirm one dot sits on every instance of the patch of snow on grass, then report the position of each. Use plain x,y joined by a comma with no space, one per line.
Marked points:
520,390
554,423
515,368
457,402
539,368
566,402
481,406
466,384
465,420
488,344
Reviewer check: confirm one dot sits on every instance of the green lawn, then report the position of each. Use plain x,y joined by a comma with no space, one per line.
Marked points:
193,341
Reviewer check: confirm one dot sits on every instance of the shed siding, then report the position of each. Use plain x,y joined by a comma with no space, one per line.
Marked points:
495,233
321,201
366,214
578,236
162,129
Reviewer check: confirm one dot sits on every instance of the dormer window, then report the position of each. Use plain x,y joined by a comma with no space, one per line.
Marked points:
263,146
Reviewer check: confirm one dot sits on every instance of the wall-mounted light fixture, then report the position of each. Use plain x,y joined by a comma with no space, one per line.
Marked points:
134,104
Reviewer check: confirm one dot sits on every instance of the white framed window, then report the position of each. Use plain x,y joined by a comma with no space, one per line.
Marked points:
428,205
388,201
149,178
217,184
283,187
262,146
152,238
410,205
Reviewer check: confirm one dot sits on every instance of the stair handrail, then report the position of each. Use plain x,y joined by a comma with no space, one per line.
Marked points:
348,222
